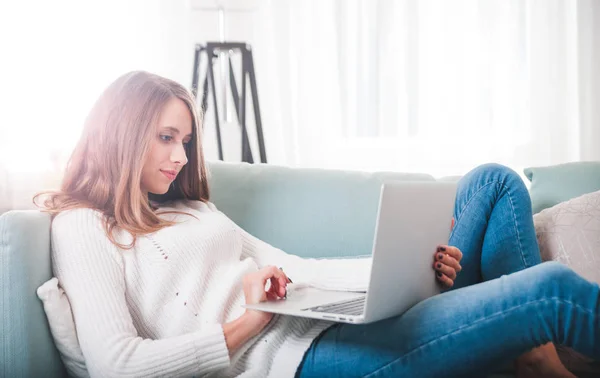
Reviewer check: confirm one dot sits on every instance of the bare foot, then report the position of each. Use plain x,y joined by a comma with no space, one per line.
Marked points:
541,362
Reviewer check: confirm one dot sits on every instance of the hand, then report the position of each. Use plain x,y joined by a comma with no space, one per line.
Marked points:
447,264
254,291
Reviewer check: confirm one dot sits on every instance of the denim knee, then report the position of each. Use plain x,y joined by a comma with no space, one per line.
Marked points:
498,171
552,272
502,174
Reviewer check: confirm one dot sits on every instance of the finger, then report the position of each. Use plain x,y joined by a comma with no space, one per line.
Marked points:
270,271
445,280
277,278
445,269
277,287
286,277
448,260
280,284
271,296
452,251
283,280
273,293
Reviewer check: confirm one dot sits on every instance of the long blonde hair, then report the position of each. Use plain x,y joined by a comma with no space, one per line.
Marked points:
105,168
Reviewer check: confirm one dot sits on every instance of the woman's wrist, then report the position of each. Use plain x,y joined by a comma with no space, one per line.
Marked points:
242,329
257,319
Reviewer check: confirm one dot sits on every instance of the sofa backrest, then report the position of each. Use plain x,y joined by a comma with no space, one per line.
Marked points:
306,212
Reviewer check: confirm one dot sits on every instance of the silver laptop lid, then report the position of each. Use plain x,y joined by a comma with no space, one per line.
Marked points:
414,218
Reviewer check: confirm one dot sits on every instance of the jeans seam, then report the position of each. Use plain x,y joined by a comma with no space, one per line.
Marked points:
516,227
490,317
471,199
502,186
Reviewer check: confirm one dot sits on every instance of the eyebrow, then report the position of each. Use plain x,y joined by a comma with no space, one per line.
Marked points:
176,130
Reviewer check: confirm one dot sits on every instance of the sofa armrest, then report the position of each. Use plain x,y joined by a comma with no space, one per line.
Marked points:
27,348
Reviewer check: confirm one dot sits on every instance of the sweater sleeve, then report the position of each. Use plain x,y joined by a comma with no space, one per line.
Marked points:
91,271
345,274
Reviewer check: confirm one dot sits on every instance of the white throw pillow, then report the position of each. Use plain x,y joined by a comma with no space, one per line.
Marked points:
62,327
570,233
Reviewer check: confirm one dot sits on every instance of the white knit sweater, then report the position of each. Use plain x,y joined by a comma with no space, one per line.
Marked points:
158,309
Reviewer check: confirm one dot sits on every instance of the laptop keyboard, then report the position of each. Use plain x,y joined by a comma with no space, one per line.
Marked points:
350,307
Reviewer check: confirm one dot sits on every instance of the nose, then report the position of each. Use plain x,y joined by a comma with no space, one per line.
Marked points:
178,155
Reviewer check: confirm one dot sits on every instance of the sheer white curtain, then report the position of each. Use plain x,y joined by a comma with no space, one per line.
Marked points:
407,85
429,85
57,57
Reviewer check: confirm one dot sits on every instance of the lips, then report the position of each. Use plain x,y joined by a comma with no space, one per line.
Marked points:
171,175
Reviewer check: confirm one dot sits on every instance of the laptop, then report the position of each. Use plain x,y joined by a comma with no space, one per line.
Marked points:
413,219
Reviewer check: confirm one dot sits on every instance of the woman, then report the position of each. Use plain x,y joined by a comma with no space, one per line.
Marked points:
157,276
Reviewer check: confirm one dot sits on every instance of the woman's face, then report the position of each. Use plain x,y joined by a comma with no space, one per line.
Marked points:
167,149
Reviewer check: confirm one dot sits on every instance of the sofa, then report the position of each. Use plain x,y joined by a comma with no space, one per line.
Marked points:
307,212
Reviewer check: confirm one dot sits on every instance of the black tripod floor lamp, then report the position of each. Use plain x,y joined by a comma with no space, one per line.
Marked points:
212,52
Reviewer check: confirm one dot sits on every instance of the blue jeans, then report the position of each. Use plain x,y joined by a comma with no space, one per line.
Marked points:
505,301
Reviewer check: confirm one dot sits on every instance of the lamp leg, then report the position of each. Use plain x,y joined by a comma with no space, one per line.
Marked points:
214,96
246,149
257,119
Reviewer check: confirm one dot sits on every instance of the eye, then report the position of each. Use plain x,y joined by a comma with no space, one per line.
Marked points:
165,138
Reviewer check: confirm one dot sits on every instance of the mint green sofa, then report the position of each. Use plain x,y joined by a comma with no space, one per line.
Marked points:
307,212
